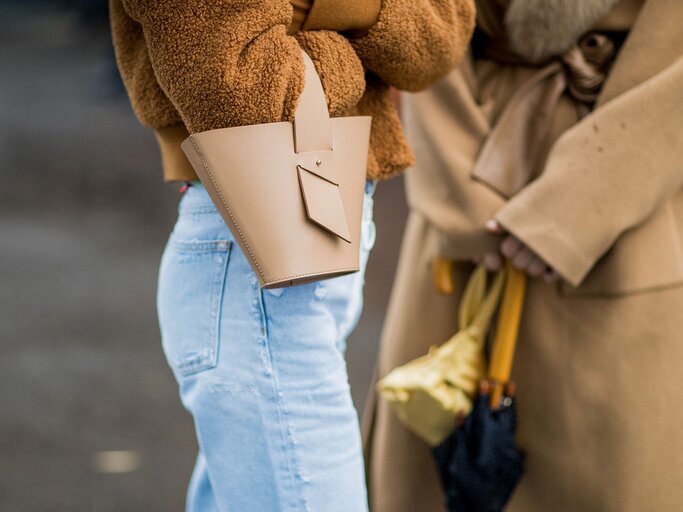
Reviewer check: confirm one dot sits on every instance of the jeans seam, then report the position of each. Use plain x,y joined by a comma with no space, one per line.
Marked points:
219,295
286,429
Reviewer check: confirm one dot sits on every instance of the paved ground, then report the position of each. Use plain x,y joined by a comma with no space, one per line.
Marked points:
83,220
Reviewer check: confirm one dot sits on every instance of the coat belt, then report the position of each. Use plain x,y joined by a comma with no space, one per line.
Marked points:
515,147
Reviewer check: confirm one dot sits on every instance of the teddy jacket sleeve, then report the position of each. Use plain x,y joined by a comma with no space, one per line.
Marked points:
604,176
416,42
231,62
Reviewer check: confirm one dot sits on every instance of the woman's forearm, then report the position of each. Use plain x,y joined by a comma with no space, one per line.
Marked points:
605,176
231,63
416,42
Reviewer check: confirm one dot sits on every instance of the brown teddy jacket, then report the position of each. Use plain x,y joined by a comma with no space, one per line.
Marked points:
197,65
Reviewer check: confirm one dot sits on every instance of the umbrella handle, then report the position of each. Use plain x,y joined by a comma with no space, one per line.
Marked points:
442,275
505,340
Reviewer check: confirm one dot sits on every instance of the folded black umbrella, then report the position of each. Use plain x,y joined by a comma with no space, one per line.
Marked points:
479,463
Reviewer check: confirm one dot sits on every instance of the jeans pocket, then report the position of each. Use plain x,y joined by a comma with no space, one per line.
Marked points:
190,295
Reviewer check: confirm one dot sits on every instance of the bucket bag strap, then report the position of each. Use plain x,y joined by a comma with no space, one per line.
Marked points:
312,130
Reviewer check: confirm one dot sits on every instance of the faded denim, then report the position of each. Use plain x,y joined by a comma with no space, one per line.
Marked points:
262,372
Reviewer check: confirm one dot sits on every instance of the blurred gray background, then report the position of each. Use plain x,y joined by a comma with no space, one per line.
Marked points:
90,419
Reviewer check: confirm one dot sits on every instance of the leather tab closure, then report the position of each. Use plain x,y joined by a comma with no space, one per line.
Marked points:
323,201
312,129
328,15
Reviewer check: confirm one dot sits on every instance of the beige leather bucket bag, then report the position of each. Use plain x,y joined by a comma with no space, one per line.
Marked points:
291,193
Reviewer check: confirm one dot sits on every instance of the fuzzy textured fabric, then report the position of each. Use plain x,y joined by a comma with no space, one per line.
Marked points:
540,29
413,42
389,155
209,64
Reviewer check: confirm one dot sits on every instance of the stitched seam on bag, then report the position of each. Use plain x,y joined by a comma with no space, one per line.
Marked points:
246,244
227,208
354,269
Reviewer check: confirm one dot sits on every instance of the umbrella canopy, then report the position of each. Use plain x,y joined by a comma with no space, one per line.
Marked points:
479,463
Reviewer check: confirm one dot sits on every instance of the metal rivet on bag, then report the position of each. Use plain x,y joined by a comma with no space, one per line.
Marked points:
318,163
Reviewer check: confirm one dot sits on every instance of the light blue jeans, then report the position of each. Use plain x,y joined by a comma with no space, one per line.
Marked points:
262,372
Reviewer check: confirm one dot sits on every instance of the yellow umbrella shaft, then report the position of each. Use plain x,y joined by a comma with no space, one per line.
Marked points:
505,340
442,275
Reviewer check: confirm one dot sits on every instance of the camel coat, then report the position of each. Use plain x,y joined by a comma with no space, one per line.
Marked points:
599,356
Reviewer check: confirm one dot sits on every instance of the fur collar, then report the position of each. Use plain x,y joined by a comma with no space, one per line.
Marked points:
539,29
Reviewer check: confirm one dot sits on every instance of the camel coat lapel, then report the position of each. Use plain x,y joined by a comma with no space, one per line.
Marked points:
655,43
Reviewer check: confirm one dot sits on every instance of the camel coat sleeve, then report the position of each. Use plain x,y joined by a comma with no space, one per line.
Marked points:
210,58
416,42
610,172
